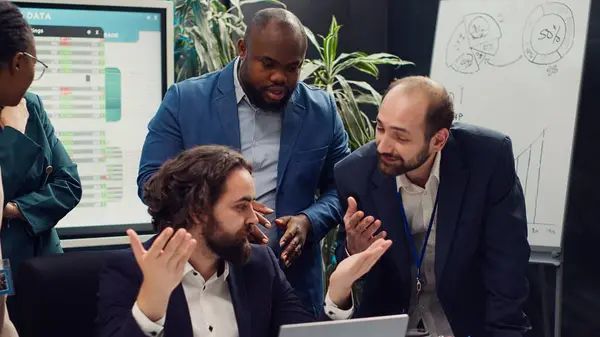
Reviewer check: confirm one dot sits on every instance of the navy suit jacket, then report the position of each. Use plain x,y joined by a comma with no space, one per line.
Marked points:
203,110
481,249
262,298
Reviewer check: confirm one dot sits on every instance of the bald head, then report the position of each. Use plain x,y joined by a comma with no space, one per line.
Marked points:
279,19
439,111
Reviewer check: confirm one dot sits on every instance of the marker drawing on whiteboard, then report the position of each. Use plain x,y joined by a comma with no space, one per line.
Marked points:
475,38
505,64
549,33
553,69
528,164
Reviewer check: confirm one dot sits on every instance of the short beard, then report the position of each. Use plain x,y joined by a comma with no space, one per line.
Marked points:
256,95
404,166
233,249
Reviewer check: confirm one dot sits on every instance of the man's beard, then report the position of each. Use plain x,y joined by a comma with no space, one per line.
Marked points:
402,166
257,95
232,248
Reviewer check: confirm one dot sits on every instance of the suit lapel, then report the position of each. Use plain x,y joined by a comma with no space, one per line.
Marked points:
292,124
239,298
453,182
178,322
226,108
388,208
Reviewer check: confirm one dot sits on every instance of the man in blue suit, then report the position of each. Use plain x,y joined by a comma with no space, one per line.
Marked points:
289,131
200,276
449,198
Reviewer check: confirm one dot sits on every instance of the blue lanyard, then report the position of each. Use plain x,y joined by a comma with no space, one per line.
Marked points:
411,240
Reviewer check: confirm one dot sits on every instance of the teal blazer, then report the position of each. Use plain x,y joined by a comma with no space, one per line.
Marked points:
39,176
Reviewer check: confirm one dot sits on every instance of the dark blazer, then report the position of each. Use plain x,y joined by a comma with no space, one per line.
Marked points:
203,111
39,176
262,298
481,249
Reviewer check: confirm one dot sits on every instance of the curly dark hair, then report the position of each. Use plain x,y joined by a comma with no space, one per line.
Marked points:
189,185
15,32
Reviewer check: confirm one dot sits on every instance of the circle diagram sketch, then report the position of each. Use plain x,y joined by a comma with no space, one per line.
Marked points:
549,33
475,39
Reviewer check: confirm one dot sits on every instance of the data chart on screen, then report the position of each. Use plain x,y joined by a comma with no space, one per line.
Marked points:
103,84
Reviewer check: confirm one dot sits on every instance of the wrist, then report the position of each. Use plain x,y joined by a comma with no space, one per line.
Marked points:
305,222
152,302
340,295
12,211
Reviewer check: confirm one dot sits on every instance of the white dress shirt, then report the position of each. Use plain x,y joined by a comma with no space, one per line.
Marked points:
418,205
211,310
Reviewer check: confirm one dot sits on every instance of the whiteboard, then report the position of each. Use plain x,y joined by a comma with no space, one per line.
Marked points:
516,66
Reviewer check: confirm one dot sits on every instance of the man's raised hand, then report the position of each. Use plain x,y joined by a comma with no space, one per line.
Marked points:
360,229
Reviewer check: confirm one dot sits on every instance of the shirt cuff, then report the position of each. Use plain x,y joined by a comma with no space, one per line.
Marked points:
335,313
149,328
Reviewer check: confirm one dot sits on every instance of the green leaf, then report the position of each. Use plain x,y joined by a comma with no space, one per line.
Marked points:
308,68
366,86
366,63
366,99
368,68
359,126
311,37
344,56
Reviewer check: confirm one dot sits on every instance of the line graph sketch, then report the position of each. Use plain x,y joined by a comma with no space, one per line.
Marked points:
529,167
549,33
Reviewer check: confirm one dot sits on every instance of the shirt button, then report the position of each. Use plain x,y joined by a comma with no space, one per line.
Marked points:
195,274
153,333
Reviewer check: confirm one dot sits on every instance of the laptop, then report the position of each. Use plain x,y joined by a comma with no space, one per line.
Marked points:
383,326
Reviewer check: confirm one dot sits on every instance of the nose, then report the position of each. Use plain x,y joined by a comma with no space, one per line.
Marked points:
384,145
278,77
252,218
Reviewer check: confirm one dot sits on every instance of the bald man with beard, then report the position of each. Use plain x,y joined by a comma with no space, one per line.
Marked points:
448,196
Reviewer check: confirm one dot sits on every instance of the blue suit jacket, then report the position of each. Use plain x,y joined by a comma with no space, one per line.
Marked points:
481,240
262,298
203,111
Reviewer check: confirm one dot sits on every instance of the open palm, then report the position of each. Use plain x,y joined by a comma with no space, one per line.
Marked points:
354,267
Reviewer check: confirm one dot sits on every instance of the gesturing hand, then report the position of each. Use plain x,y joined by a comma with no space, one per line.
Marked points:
353,268
162,266
360,229
256,235
15,116
296,230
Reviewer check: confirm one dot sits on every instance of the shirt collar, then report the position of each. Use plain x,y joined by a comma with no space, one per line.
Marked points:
403,181
239,91
222,271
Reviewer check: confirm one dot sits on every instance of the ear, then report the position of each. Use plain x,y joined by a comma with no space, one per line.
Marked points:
439,140
17,63
242,48
198,220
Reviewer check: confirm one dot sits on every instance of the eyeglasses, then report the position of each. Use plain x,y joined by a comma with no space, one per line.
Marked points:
40,67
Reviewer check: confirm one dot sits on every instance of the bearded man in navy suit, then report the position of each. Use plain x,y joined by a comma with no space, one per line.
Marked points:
448,196
200,275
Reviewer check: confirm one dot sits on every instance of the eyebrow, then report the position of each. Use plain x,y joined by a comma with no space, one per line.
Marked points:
266,58
245,198
397,128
